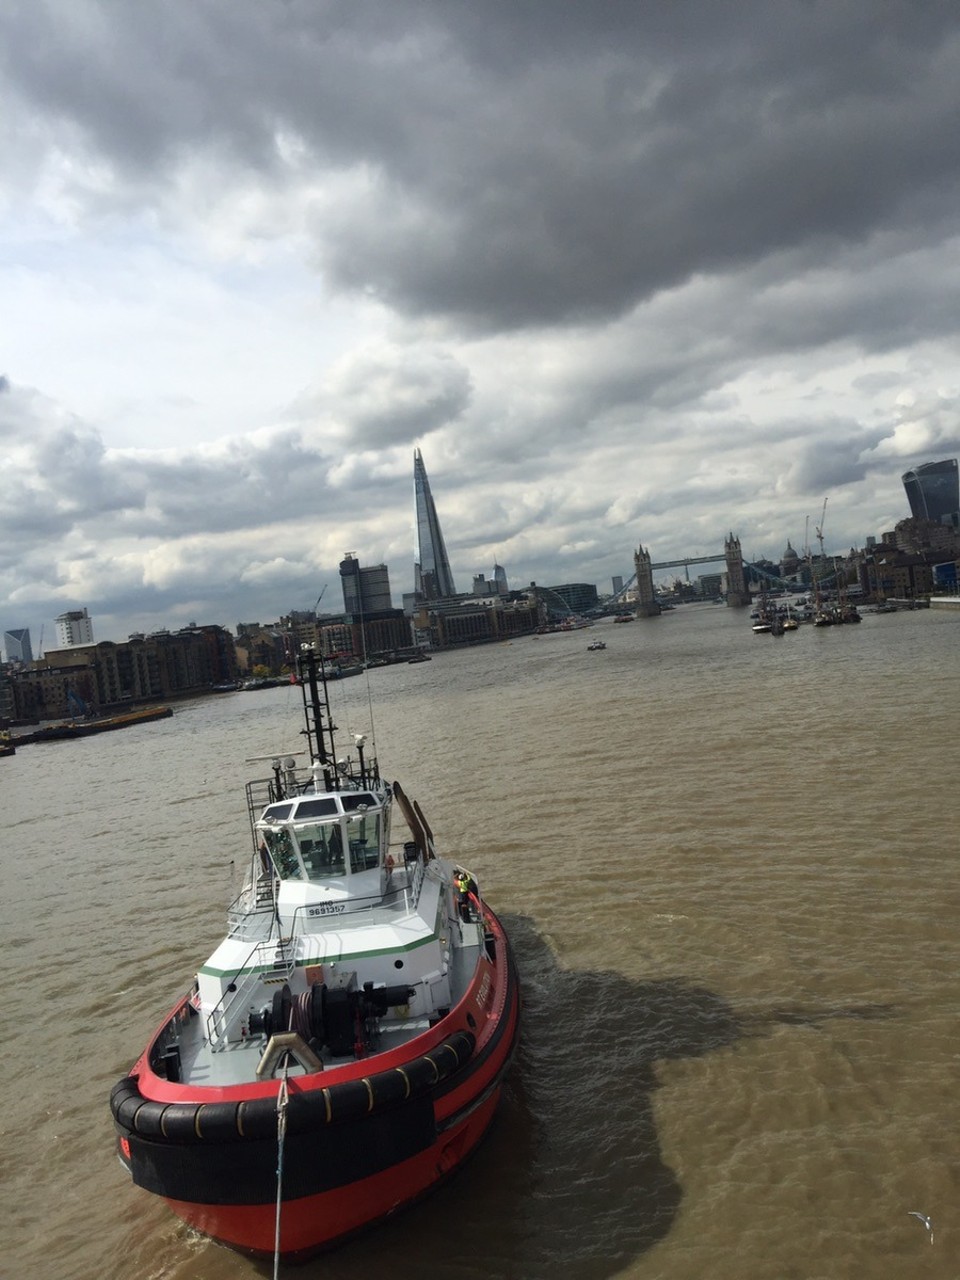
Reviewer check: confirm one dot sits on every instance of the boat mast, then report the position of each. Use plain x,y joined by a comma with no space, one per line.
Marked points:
817,592
318,729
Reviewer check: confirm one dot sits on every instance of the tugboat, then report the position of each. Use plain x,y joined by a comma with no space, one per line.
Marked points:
344,1047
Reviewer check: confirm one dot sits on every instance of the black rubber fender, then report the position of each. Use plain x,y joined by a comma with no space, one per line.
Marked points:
421,1073
190,1122
149,1119
257,1118
218,1121
125,1088
348,1100
126,1113
389,1087
179,1122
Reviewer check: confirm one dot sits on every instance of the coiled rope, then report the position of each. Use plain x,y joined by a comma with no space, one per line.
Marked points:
282,1098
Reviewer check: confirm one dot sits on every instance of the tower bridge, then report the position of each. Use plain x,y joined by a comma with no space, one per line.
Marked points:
737,593
687,560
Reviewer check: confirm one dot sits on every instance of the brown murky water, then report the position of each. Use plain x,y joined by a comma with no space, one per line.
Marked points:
730,867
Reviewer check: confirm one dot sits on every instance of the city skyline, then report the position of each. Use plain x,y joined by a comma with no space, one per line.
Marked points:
233,309
366,588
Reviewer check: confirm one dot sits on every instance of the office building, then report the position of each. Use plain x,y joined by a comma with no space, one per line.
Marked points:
579,597
371,624
365,591
933,491
432,577
73,628
16,645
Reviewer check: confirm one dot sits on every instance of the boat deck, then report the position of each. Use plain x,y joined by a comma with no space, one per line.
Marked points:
236,1063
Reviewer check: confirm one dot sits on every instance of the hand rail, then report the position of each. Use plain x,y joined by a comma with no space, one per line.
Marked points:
217,1021
303,922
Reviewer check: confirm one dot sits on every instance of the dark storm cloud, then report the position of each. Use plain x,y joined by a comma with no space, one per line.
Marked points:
53,477
526,164
839,457
377,398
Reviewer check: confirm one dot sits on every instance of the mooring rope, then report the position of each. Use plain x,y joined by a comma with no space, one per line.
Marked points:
282,1098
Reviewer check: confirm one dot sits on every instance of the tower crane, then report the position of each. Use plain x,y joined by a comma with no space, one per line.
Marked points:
819,527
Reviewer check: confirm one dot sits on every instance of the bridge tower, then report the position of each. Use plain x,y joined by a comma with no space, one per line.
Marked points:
647,606
737,593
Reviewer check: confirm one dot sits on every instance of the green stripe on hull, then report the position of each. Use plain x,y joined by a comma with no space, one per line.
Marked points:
340,959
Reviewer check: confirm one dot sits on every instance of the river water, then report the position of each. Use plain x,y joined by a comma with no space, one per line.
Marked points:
729,864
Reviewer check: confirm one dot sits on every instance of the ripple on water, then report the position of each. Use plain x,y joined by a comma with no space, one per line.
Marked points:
726,863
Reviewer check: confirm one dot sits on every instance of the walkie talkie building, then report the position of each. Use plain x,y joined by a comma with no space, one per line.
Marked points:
432,577
933,490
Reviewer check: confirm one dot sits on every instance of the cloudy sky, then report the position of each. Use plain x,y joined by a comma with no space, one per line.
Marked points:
625,272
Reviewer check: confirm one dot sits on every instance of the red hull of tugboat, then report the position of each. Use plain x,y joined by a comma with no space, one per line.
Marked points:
314,1223
370,1146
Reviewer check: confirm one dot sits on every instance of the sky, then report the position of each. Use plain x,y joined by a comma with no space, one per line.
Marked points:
627,274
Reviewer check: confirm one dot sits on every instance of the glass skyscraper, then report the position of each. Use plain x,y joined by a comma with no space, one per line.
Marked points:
16,644
432,577
933,490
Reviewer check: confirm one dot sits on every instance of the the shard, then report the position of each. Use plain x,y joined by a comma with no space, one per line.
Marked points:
432,577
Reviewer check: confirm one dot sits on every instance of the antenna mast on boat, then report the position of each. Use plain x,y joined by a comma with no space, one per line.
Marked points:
318,729
818,576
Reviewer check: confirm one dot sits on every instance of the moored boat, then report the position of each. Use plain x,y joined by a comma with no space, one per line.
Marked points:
343,1049
101,724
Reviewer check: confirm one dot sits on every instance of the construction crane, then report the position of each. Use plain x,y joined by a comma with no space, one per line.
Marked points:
819,527
320,597
818,579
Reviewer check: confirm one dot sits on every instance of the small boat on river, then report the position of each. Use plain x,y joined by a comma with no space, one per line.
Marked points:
344,1047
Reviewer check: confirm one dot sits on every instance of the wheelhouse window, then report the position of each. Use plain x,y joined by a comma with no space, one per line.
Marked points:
361,800
363,832
323,807
282,854
321,847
